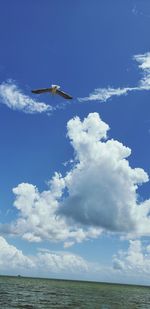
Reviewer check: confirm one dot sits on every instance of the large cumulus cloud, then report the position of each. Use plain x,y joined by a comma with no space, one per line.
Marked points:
38,215
102,185
99,193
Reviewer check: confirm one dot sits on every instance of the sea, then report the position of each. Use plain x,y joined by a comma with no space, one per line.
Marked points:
28,293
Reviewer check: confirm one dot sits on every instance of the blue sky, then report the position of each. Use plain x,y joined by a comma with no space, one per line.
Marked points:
74,185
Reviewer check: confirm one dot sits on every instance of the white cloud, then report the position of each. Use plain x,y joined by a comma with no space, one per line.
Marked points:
12,258
103,94
43,262
136,260
102,187
38,218
144,65
132,265
98,194
62,262
13,97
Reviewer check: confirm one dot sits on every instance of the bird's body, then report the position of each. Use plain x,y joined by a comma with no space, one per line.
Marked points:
54,89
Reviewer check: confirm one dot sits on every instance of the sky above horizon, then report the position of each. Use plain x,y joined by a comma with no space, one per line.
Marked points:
74,185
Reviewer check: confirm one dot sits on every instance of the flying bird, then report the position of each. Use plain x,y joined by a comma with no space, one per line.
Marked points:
54,89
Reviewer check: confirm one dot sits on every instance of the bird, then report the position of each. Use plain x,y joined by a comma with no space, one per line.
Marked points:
54,89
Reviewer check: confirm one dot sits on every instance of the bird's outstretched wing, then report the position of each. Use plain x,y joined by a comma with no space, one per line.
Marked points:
42,90
64,94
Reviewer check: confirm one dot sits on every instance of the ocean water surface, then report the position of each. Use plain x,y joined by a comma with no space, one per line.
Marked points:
20,292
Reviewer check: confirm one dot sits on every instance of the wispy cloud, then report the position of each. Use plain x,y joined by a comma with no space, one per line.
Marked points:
103,94
138,12
12,96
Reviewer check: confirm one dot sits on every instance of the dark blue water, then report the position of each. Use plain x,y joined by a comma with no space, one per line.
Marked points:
34,293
